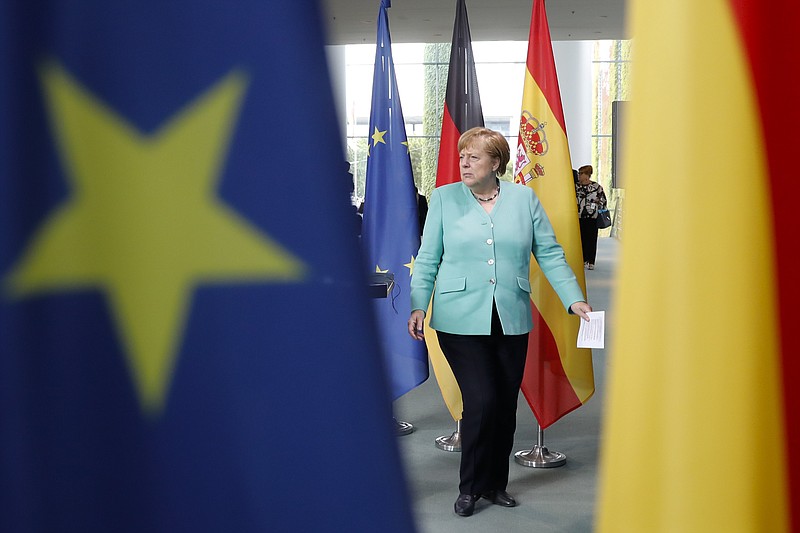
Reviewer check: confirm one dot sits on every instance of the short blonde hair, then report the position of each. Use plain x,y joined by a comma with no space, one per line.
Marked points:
490,141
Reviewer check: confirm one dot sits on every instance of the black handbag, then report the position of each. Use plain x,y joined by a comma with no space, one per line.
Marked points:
603,219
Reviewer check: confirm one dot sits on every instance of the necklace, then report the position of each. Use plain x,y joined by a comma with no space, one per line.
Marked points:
492,197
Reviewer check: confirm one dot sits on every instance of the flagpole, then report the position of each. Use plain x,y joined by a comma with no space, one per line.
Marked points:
451,443
539,456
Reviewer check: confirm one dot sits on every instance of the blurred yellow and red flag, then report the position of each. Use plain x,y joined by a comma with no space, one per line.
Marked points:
703,403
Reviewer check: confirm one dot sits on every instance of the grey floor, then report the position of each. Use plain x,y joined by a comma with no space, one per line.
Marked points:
550,499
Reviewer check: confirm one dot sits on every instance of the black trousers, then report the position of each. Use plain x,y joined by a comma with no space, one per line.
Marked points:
589,239
488,369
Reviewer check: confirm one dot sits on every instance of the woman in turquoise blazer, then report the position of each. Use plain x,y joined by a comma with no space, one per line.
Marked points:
475,261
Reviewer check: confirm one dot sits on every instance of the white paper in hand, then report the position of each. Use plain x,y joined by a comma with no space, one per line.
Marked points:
592,334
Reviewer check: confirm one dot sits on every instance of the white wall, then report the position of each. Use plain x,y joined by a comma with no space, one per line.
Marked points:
337,65
574,69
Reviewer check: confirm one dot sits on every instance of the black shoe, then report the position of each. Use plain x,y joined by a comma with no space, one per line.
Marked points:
465,504
500,497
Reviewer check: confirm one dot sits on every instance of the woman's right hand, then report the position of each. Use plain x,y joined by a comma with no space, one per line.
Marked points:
416,325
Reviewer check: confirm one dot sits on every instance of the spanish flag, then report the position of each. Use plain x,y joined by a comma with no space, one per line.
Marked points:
702,412
558,376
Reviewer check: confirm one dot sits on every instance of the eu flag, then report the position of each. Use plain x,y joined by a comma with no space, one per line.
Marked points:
173,354
390,229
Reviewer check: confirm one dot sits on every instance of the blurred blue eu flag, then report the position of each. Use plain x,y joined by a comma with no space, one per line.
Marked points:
174,290
390,230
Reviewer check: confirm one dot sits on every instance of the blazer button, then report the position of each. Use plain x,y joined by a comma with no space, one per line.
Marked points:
492,281
490,261
489,241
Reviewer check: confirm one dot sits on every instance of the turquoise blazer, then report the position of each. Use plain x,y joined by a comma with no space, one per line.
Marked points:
469,259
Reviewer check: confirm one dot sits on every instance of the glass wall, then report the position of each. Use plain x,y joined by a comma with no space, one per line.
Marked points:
422,78
611,76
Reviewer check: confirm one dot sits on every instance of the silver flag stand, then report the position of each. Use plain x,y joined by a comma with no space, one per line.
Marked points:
403,428
451,443
539,456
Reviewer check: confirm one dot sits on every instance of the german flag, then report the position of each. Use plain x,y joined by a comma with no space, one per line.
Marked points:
462,106
702,413
558,377
462,111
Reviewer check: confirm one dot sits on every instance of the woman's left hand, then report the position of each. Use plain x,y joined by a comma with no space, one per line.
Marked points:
581,309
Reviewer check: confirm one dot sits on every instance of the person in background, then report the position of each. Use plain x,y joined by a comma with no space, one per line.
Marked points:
358,208
422,210
359,216
591,198
475,261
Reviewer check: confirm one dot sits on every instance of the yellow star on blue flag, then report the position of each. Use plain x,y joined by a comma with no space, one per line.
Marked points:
143,224
377,137
410,266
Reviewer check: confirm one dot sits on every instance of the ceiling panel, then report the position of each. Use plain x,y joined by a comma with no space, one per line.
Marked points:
430,21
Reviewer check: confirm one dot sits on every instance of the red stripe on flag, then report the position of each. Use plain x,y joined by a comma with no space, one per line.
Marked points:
771,44
546,385
540,61
447,169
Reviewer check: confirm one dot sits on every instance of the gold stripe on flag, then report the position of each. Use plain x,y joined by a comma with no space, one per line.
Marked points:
451,393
